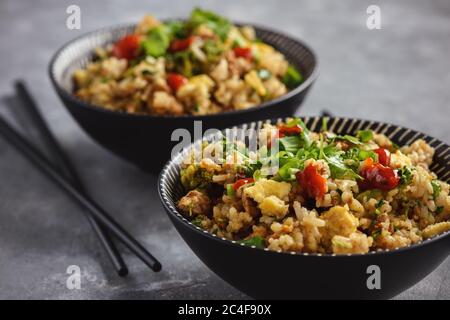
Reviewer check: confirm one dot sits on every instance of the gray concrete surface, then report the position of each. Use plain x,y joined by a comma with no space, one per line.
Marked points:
399,74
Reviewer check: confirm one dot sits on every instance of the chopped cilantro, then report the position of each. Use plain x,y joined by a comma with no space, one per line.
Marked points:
338,169
436,188
157,41
394,147
405,175
287,171
348,138
257,175
220,25
290,143
364,135
256,241
198,221
364,154
376,234
379,204
176,28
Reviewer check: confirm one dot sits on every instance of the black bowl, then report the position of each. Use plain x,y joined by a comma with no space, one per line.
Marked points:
145,140
272,275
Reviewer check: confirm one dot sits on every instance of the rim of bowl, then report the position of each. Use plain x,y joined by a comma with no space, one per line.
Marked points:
297,90
173,211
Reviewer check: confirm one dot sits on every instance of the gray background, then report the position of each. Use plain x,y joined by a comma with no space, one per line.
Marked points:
399,74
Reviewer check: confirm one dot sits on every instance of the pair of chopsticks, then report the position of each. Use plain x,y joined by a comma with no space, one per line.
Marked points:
67,178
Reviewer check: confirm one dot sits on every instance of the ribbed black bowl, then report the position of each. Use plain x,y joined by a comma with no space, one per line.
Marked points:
144,139
271,275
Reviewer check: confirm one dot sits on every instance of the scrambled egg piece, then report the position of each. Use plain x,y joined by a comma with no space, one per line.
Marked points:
339,221
270,59
264,188
273,206
202,80
270,196
262,48
255,82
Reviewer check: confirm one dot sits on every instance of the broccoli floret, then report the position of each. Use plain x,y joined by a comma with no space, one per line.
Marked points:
193,177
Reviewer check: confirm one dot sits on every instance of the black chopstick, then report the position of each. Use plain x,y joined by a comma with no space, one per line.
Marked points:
36,158
66,166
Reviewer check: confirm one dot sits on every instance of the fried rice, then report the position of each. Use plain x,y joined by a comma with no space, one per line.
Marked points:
331,193
200,66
